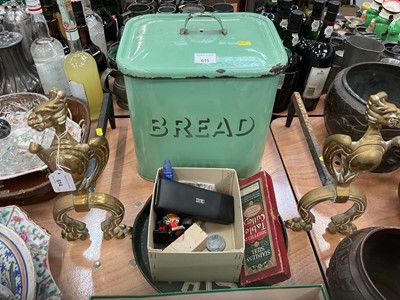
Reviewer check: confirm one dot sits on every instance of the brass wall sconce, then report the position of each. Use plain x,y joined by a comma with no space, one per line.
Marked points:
65,154
344,160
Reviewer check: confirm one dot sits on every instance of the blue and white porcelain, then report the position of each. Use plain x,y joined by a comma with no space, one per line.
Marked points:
17,271
37,240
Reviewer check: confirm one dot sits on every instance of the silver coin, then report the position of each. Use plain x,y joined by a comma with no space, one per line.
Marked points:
215,242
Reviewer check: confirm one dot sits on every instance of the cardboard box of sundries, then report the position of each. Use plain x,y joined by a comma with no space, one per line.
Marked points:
265,261
180,262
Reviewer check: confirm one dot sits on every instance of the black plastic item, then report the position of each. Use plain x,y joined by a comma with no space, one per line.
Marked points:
191,201
139,247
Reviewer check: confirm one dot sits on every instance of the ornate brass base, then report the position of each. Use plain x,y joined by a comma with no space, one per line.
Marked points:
74,229
341,223
67,154
344,160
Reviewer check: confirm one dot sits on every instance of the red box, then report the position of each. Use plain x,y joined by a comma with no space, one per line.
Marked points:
265,256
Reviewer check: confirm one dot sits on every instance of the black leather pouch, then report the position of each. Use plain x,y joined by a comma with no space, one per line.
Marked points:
191,201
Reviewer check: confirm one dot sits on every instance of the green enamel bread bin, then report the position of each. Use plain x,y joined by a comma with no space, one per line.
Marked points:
200,88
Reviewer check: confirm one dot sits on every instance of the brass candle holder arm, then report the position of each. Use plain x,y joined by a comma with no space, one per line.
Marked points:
344,160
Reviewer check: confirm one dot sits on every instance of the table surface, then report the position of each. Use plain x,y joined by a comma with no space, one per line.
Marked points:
381,190
73,264
286,158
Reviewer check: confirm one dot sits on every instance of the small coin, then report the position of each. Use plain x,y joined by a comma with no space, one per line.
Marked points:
138,204
215,242
132,262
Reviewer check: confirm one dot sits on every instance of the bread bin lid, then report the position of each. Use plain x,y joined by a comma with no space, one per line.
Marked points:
202,45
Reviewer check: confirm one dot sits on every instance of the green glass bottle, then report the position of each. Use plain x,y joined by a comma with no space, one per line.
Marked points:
316,63
282,18
313,21
288,79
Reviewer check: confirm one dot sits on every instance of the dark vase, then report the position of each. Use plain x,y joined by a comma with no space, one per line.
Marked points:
118,87
365,265
208,4
347,97
16,73
222,8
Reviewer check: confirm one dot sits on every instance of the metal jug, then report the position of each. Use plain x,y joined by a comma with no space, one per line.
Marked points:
16,19
16,74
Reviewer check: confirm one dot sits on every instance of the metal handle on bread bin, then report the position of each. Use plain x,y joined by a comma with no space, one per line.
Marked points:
201,15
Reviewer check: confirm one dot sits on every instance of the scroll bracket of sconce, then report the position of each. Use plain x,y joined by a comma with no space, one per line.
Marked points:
344,160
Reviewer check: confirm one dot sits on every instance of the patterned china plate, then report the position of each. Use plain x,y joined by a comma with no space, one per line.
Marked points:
37,241
16,267
15,158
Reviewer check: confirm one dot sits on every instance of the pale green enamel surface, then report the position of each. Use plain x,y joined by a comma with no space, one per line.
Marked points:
220,122
189,113
152,47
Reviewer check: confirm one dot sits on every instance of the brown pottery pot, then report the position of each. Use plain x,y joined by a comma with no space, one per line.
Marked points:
366,265
347,97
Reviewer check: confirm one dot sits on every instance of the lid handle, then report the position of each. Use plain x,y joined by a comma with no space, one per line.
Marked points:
201,15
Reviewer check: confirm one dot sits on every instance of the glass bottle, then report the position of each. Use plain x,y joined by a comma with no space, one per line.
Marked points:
109,23
313,21
115,8
288,79
282,18
87,43
315,66
372,12
111,6
304,6
270,9
259,6
95,26
57,15
47,52
305,45
80,67
49,8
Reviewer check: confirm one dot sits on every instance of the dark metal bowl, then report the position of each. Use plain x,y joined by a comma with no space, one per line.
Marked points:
348,95
366,265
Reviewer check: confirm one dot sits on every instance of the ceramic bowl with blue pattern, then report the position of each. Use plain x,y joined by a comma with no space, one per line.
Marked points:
17,271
